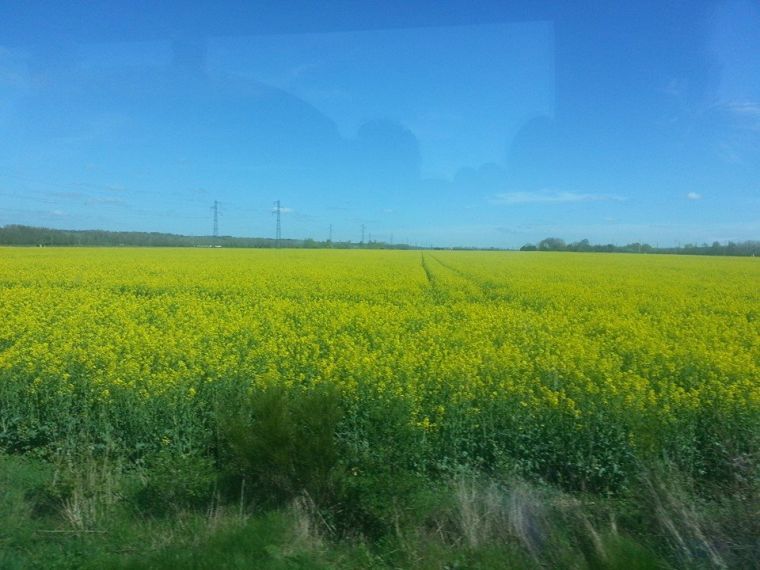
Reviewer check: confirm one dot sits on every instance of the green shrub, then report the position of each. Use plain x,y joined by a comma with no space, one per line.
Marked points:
173,482
284,444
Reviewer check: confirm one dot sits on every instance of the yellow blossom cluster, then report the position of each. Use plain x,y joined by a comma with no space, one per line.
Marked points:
652,343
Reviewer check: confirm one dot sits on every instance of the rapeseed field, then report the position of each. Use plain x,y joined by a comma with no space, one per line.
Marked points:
573,367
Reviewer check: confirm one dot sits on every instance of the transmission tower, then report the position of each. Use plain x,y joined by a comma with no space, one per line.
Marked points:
278,230
215,208
330,238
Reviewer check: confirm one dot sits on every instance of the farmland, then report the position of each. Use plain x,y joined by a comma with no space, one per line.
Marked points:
576,370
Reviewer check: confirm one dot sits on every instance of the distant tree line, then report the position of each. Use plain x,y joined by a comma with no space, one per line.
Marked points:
744,248
45,237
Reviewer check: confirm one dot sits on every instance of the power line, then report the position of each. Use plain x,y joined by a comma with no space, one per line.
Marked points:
215,208
278,230
82,197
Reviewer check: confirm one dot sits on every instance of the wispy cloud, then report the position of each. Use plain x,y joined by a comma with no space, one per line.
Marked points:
88,199
13,70
104,200
69,195
676,86
547,197
739,122
332,95
694,196
748,109
743,114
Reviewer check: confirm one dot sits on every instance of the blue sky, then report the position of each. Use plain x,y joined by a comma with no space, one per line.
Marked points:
463,123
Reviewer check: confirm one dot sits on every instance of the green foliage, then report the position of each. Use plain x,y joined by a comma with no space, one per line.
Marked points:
383,476
19,235
22,484
175,482
283,443
745,248
475,522
265,542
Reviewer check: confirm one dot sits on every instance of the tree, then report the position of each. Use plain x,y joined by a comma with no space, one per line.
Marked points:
552,244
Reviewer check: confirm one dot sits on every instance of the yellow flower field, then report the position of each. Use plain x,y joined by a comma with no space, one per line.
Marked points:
571,364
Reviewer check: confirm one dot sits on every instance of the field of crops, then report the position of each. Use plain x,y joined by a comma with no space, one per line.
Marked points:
572,367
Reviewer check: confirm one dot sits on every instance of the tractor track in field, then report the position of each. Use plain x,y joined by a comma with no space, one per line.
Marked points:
487,290
428,274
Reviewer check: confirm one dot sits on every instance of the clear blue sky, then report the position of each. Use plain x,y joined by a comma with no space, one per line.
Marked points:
461,123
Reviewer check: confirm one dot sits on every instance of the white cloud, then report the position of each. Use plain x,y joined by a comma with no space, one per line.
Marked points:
106,201
546,197
694,196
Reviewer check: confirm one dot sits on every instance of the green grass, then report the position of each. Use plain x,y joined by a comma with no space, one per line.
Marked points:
92,515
